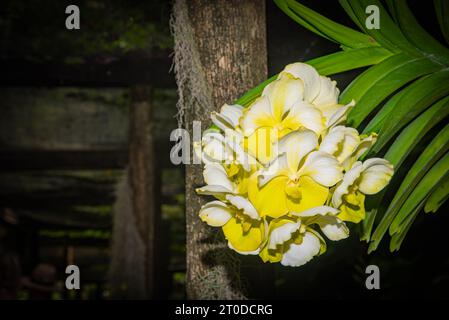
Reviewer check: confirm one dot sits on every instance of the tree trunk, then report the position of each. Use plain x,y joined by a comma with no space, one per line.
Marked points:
220,52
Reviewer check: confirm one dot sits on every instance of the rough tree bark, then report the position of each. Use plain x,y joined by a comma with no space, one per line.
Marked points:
227,42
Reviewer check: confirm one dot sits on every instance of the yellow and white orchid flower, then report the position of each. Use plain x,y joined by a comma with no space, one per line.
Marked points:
287,166
326,218
282,108
225,149
222,179
242,226
228,117
297,180
320,91
266,121
345,144
366,142
292,242
362,179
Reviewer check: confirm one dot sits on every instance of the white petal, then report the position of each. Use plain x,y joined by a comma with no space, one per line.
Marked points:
291,149
348,180
215,174
297,145
216,191
228,117
328,94
221,121
215,213
277,167
309,76
323,168
283,93
243,204
340,142
307,115
321,210
340,115
232,112
333,228
234,141
362,147
375,176
282,234
214,148
259,110
299,254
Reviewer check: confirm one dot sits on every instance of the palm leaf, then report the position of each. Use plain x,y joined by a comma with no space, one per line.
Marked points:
428,157
402,96
442,11
437,197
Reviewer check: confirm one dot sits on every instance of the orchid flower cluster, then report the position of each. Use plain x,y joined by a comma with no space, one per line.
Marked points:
286,167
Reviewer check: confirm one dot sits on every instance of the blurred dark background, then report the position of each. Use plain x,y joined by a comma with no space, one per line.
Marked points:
65,131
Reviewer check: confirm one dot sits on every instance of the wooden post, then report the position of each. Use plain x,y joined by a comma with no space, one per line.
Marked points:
135,262
143,179
229,42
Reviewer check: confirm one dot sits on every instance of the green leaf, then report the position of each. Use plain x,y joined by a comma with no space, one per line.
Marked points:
377,122
442,12
372,207
350,12
411,135
315,22
282,4
398,238
419,96
428,157
416,34
388,35
348,60
437,197
377,83
438,172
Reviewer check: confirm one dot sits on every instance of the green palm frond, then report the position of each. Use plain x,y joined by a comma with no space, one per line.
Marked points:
402,96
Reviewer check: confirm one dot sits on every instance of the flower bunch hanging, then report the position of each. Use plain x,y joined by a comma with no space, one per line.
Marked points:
286,169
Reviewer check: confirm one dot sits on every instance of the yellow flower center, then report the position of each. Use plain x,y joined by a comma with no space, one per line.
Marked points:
293,188
245,221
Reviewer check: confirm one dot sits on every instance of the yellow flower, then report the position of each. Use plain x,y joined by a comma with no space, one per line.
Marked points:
281,108
241,224
297,180
299,98
362,179
265,122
